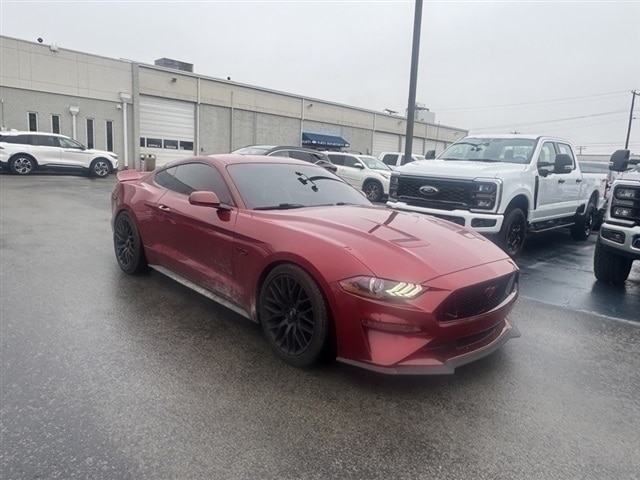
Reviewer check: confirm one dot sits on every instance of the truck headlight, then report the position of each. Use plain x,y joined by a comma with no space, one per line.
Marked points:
484,195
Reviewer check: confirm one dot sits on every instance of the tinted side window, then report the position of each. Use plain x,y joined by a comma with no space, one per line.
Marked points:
389,159
43,141
350,162
337,159
19,139
307,157
280,153
564,148
192,177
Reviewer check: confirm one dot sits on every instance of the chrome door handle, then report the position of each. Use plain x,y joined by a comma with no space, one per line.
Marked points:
164,208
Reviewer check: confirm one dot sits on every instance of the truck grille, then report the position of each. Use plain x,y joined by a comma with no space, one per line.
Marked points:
444,194
476,299
625,203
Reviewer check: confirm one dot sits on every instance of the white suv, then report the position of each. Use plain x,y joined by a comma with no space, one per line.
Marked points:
364,172
24,152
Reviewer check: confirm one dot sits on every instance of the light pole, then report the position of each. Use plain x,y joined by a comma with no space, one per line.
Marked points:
633,99
417,21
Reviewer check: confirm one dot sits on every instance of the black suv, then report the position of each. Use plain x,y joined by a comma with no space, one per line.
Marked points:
299,153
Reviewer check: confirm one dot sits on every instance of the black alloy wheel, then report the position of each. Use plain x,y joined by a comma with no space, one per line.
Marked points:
373,190
513,232
293,315
585,224
127,245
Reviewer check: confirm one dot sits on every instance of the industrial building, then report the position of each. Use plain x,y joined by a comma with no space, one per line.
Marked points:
167,110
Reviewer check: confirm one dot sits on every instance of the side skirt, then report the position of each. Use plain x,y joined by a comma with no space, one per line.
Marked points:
202,291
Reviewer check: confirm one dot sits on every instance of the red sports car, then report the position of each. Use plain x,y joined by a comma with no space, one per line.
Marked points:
291,246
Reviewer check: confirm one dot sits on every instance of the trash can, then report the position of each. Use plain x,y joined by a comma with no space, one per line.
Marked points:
147,162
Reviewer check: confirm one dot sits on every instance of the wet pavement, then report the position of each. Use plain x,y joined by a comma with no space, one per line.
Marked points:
109,376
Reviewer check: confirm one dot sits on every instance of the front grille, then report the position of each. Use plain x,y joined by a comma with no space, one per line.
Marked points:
450,195
476,299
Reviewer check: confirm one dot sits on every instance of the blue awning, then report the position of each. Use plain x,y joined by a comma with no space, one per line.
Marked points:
320,140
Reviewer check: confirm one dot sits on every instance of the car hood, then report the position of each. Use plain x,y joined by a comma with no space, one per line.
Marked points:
100,152
453,168
392,243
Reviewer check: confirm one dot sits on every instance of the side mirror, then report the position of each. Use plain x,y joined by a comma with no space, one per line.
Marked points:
563,163
430,154
204,199
619,161
359,165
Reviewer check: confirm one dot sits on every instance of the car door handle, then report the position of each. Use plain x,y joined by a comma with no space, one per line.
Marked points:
561,181
164,208
578,180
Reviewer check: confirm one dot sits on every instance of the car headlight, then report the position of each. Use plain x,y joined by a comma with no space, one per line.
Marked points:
380,288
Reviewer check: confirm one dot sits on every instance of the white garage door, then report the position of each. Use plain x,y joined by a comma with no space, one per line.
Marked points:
385,142
167,128
417,147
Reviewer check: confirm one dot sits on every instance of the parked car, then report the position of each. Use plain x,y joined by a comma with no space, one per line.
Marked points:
300,153
24,152
396,159
301,252
364,172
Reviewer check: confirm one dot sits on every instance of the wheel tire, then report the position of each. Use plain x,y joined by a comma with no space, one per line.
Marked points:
609,267
512,234
127,245
294,317
373,190
584,226
100,168
22,164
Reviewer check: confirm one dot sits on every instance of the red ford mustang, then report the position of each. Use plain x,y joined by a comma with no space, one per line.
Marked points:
293,247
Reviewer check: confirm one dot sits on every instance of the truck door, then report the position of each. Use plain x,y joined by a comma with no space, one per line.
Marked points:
558,191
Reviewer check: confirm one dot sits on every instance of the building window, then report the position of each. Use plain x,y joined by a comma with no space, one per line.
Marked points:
33,122
90,134
109,136
154,143
170,144
55,123
186,145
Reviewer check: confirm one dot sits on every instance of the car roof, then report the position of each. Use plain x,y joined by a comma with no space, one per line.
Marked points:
23,132
237,159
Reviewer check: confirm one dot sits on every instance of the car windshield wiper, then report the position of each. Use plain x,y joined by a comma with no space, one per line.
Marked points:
281,206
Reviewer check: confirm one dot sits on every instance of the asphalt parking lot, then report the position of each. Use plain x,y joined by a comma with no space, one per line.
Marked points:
109,376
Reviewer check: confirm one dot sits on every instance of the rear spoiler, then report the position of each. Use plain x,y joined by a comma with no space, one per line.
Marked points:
130,175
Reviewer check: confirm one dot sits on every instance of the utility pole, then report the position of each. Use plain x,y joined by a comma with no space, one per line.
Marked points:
417,21
633,99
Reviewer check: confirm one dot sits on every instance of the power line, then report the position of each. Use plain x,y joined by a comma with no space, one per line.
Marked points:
542,122
558,100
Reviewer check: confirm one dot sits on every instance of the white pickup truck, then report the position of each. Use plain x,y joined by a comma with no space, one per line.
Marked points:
619,239
503,186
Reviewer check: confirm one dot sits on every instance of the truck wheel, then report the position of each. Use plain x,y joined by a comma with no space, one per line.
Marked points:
373,190
513,231
584,225
609,267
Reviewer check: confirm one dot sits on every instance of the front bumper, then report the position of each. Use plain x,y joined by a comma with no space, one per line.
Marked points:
488,223
443,365
621,239
447,326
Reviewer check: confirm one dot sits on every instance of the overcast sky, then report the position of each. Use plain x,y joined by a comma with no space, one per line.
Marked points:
553,68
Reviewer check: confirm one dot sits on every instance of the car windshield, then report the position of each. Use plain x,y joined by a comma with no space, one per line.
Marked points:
277,186
373,163
477,149
256,150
